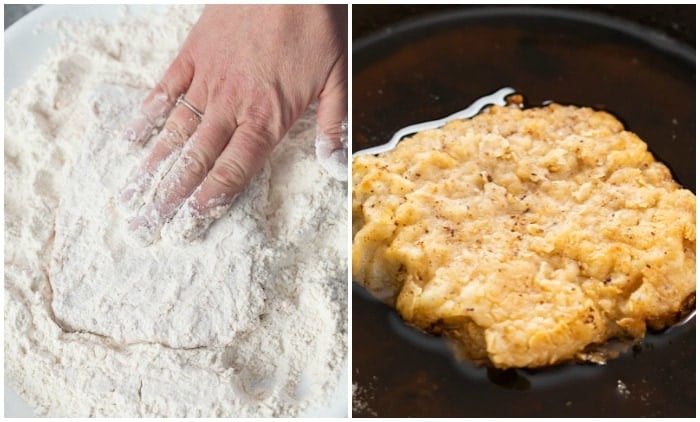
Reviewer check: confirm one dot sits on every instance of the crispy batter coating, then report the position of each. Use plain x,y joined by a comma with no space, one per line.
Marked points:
525,235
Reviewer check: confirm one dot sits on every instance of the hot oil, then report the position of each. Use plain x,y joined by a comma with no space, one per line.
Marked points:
411,372
523,379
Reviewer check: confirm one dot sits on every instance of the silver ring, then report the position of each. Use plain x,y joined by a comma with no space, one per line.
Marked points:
181,100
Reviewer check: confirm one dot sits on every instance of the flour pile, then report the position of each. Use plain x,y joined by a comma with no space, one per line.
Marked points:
250,321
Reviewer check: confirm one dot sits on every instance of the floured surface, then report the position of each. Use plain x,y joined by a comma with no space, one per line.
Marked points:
179,294
251,321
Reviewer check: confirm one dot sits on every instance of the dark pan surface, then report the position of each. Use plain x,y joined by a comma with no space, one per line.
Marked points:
429,68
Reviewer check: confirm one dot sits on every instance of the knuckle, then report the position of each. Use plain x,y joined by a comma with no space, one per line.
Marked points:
335,130
269,107
169,141
175,133
259,139
259,134
196,165
230,174
260,114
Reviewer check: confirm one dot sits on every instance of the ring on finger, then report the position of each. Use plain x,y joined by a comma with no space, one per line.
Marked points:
181,100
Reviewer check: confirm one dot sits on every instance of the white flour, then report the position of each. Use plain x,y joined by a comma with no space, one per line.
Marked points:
251,321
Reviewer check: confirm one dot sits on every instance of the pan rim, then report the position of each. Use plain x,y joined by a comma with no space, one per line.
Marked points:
649,36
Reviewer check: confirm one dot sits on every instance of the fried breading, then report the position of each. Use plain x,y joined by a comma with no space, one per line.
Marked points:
525,235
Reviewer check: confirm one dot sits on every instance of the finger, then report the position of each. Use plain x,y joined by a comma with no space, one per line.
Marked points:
195,161
332,129
160,101
240,160
181,124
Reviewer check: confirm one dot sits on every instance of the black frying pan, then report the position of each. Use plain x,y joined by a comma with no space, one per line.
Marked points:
429,68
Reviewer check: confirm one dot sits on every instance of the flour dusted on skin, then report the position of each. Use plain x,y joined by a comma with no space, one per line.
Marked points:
249,321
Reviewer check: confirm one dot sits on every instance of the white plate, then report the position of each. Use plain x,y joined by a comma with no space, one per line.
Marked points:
25,47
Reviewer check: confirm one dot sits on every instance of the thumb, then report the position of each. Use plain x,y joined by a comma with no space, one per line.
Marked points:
332,125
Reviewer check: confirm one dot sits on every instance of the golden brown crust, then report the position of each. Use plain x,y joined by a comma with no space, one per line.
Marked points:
525,235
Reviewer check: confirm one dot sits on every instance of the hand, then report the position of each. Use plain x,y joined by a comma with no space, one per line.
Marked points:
251,71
